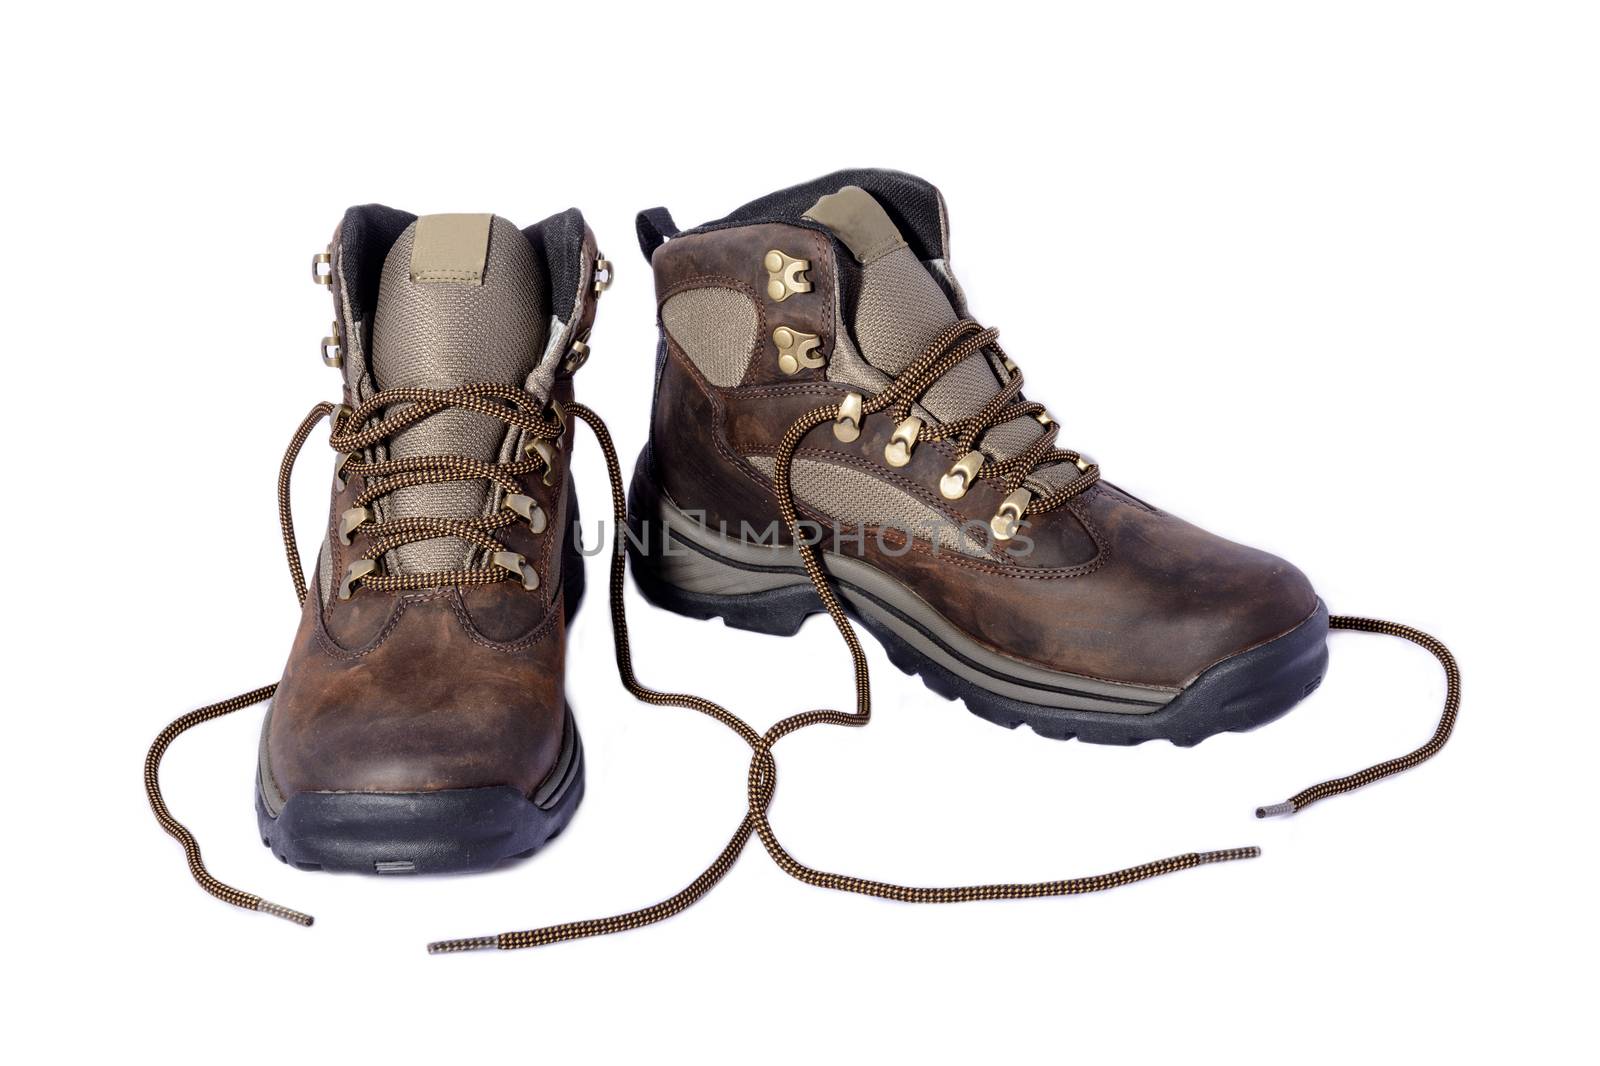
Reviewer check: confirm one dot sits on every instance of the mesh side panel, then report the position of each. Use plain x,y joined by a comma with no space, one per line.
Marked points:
716,328
436,335
1052,477
846,365
1011,437
855,498
901,310
325,569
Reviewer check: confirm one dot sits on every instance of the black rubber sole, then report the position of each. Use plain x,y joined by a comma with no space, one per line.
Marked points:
448,831
1240,693
451,831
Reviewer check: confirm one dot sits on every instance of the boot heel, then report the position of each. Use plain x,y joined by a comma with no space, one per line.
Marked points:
688,569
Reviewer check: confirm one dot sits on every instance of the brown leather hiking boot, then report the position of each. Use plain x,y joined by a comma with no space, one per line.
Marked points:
989,560
889,469
421,723
831,434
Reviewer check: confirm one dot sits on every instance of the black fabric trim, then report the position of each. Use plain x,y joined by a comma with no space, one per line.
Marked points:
654,226
365,237
559,242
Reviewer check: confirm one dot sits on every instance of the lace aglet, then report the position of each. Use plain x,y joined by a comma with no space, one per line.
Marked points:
277,911
1230,854
1273,810
473,943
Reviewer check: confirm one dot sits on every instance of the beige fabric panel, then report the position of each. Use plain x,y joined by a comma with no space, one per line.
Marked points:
855,498
437,334
450,248
859,221
716,328
847,366
325,569
900,310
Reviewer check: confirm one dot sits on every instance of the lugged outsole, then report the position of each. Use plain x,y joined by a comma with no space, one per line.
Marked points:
1239,693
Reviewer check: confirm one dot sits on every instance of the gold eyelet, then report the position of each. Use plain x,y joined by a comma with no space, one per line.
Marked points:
604,275
1044,419
954,485
339,462
322,267
353,575
352,520
577,355
529,509
339,413
797,350
847,426
783,275
332,351
898,451
1006,520
1083,462
518,565
547,455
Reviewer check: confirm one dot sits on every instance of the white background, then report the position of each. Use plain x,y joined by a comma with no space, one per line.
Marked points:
1323,279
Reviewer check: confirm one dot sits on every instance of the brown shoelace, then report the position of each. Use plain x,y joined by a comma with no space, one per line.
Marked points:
958,342
391,411
762,776
1441,733
353,431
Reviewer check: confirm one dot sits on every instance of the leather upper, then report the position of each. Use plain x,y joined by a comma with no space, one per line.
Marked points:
1110,587
446,687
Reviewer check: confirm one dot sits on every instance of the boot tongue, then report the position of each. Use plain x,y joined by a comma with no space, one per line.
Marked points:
460,300
901,308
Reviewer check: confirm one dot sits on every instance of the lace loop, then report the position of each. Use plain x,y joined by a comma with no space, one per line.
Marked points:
158,748
388,412
950,348
762,776
954,344
513,408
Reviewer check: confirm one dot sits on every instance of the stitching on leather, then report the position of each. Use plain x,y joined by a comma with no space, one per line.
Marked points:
1116,495
1024,573
326,642
710,281
558,496
718,416
539,632
796,389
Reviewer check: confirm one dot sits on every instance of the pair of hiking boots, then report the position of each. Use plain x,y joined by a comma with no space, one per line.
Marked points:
831,432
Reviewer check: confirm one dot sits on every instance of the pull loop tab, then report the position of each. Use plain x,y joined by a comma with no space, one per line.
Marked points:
655,227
